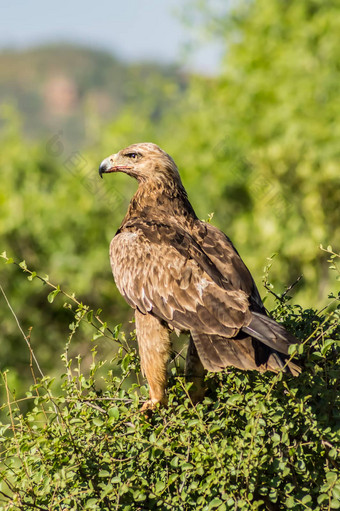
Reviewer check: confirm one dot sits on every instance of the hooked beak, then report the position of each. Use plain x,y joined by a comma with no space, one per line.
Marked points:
108,165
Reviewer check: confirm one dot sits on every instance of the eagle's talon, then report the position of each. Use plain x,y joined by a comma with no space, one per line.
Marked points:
152,404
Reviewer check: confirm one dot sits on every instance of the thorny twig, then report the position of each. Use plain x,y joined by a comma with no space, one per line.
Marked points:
282,296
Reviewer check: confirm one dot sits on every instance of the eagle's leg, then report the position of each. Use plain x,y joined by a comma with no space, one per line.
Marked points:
195,372
154,348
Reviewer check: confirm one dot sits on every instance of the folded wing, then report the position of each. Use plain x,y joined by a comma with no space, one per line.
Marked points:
197,282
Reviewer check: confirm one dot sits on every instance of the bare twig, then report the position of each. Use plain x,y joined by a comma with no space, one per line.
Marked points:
95,407
266,286
32,355
27,339
289,288
45,280
4,375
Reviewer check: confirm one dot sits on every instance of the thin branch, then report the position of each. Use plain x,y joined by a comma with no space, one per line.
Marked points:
32,355
266,286
5,495
291,286
23,333
22,460
35,506
329,445
95,407
71,297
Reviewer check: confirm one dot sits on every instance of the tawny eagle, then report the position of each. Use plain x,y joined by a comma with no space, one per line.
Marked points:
180,273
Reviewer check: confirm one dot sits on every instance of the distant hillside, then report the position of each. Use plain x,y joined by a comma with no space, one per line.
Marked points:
60,86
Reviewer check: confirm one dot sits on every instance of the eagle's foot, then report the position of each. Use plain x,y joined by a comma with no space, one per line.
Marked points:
151,404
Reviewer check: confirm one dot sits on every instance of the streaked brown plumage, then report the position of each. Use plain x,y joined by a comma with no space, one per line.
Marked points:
180,273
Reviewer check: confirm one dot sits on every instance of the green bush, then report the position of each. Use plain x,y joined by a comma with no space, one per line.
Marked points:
257,441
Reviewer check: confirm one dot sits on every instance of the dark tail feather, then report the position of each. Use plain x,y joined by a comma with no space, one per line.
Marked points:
217,353
270,333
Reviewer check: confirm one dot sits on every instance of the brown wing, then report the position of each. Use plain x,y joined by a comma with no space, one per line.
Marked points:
162,270
221,251
224,255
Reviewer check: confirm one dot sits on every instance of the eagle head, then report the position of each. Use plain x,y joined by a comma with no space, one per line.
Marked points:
145,162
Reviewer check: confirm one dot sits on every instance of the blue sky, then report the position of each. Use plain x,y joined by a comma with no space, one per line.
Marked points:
131,29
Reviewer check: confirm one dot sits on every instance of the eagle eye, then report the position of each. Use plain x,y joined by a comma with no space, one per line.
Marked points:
132,155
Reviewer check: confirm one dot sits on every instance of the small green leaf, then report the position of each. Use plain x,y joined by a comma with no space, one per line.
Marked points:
125,362
336,491
322,498
159,486
23,265
97,336
152,438
91,504
174,462
187,466
215,503
51,296
327,343
236,398
103,473
114,412
331,477
172,478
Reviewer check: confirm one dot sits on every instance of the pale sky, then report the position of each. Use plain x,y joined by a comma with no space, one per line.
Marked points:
130,29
